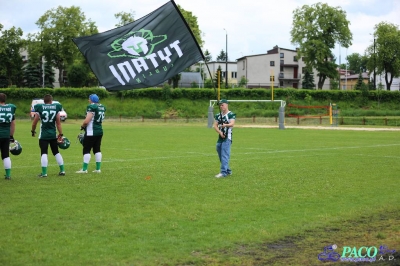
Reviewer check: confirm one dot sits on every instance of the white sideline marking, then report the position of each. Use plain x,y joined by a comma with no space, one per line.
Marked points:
192,154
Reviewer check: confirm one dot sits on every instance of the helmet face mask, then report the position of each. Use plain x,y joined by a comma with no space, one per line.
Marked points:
80,138
64,144
15,148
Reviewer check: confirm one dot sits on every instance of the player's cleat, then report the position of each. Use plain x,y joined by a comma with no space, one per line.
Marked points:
96,171
61,173
42,175
219,175
7,177
81,171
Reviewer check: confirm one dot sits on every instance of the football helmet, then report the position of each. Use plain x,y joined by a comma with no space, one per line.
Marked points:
80,137
15,148
64,144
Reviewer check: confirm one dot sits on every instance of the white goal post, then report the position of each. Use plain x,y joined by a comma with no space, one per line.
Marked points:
281,110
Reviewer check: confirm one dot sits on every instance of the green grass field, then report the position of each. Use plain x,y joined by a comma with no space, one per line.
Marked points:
157,202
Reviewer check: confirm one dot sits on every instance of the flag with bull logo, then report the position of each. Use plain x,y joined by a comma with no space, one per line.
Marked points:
143,53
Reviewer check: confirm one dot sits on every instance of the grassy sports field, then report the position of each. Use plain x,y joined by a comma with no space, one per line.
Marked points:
157,202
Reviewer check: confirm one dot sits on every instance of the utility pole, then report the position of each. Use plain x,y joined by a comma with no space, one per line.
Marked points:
226,59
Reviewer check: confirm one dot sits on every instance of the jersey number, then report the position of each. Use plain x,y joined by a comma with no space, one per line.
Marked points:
101,117
48,116
5,117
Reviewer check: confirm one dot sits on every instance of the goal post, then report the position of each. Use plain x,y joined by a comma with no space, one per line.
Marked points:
281,110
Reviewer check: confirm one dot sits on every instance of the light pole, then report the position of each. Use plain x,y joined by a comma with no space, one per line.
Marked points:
226,58
374,66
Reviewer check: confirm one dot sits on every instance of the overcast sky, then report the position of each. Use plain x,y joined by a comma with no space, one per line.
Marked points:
252,26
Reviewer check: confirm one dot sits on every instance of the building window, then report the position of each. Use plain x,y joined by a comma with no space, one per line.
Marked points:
233,75
295,58
282,55
282,69
244,64
282,62
281,76
272,63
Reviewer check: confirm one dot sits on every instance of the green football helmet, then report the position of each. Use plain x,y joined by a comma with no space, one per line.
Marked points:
80,138
64,144
15,148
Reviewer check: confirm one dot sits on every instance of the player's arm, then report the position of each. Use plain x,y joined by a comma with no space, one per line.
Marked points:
34,123
12,127
230,124
216,128
58,124
89,116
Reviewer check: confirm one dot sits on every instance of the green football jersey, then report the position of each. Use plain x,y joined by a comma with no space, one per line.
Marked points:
48,114
95,128
225,120
7,115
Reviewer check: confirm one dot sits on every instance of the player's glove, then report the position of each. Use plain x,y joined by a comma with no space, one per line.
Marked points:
83,128
33,133
12,139
60,138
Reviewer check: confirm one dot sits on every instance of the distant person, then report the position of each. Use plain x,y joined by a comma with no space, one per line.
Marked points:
95,114
49,115
7,129
223,124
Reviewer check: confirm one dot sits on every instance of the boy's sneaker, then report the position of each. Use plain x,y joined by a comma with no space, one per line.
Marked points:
96,171
61,173
219,175
81,171
42,175
7,177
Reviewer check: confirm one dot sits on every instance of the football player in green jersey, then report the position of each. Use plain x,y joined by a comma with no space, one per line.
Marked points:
95,114
223,124
49,115
7,128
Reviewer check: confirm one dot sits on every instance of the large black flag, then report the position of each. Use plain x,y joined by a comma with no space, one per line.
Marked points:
143,53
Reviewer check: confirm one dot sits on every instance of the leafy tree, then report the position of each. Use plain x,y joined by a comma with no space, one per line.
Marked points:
77,75
316,29
355,62
308,80
221,56
11,44
124,18
207,56
243,82
386,59
191,20
57,27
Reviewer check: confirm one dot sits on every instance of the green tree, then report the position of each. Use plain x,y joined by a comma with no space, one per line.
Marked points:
386,58
11,44
57,27
243,82
308,80
191,20
207,56
316,29
221,56
124,18
33,75
355,62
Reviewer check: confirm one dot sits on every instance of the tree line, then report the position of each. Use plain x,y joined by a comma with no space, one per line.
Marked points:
316,29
